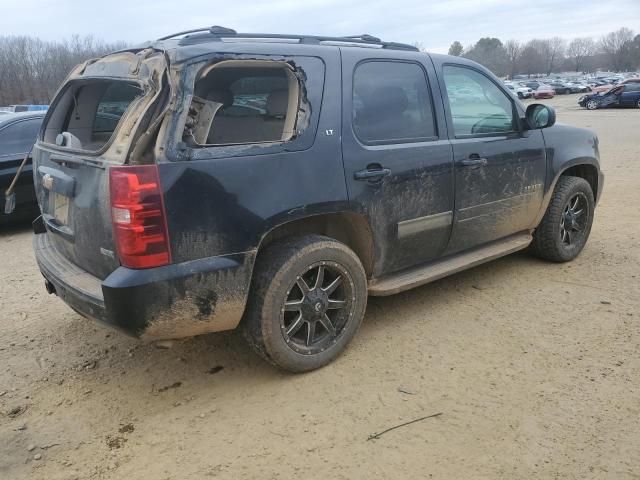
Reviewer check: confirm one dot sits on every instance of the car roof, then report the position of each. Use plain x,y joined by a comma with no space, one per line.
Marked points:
12,117
197,42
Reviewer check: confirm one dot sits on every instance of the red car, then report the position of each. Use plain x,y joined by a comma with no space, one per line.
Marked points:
544,91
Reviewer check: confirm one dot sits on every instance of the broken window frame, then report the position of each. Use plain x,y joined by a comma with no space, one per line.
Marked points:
203,112
310,71
64,100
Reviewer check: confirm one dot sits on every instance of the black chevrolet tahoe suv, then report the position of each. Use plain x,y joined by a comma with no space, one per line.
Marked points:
212,180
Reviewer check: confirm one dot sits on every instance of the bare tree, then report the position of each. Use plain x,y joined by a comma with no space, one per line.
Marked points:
617,46
579,50
31,69
513,49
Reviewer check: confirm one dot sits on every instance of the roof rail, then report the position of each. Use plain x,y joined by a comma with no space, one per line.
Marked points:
217,33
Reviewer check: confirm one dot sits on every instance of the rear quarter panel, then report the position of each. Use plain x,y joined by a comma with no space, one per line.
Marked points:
220,203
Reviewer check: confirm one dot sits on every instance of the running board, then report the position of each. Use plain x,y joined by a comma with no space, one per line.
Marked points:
423,274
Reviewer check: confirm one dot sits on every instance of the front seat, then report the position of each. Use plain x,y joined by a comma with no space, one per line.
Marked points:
277,105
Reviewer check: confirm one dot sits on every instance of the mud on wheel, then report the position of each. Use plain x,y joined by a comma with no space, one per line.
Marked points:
565,227
307,301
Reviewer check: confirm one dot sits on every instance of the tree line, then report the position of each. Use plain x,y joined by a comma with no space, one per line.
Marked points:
617,51
31,70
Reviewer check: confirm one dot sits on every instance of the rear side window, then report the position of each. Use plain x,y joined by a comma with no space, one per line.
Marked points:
18,137
244,102
391,103
88,113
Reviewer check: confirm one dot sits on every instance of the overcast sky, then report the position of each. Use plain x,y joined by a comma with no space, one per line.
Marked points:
434,23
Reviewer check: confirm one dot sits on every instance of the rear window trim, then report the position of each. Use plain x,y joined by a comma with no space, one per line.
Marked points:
107,145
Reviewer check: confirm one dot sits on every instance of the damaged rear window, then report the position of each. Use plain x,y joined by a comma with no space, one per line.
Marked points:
244,102
88,113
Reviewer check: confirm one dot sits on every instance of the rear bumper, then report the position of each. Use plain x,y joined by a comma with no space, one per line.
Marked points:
174,301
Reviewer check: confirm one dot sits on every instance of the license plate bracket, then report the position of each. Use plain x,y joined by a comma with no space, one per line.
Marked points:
61,208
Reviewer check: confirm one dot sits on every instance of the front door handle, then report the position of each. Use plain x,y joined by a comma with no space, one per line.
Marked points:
474,160
373,173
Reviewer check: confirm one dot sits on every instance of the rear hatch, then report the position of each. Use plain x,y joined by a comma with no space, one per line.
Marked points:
95,122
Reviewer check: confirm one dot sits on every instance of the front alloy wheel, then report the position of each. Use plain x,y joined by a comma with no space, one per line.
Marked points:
574,219
592,105
565,227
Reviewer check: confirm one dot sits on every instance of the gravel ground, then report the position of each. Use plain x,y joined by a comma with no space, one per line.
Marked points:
534,366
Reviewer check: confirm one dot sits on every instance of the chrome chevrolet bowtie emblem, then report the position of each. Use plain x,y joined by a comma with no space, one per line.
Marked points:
47,181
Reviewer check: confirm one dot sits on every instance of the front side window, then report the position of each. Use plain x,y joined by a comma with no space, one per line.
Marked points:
244,102
477,105
391,103
19,137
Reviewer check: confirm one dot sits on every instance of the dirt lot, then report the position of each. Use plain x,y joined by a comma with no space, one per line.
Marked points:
535,368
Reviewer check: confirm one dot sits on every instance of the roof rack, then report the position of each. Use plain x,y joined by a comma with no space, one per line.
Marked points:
217,33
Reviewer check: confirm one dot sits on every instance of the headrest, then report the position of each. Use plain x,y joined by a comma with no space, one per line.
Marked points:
225,97
277,103
385,101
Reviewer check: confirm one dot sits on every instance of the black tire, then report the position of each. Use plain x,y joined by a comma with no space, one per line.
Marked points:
561,235
279,272
638,104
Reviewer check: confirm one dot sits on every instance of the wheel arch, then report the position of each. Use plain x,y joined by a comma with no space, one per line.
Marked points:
350,228
587,171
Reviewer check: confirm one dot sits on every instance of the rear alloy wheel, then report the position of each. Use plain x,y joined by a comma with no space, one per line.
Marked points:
638,104
308,298
592,105
565,227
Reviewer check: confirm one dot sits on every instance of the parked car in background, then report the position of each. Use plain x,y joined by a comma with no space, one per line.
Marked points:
519,90
27,108
18,133
560,88
626,95
532,84
544,91
578,87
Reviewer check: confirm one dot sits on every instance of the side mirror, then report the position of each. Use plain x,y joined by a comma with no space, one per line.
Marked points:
540,116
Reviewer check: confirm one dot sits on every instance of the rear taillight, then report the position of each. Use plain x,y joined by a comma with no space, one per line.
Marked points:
138,216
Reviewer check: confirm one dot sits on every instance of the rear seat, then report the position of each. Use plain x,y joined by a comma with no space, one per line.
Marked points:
227,129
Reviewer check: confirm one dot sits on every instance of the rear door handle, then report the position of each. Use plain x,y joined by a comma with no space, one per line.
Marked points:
473,160
372,173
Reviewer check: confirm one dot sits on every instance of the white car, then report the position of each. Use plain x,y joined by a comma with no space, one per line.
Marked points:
521,91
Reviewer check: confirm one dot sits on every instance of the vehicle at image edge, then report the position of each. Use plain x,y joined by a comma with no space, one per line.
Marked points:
625,95
520,91
544,91
24,108
192,215
18,132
